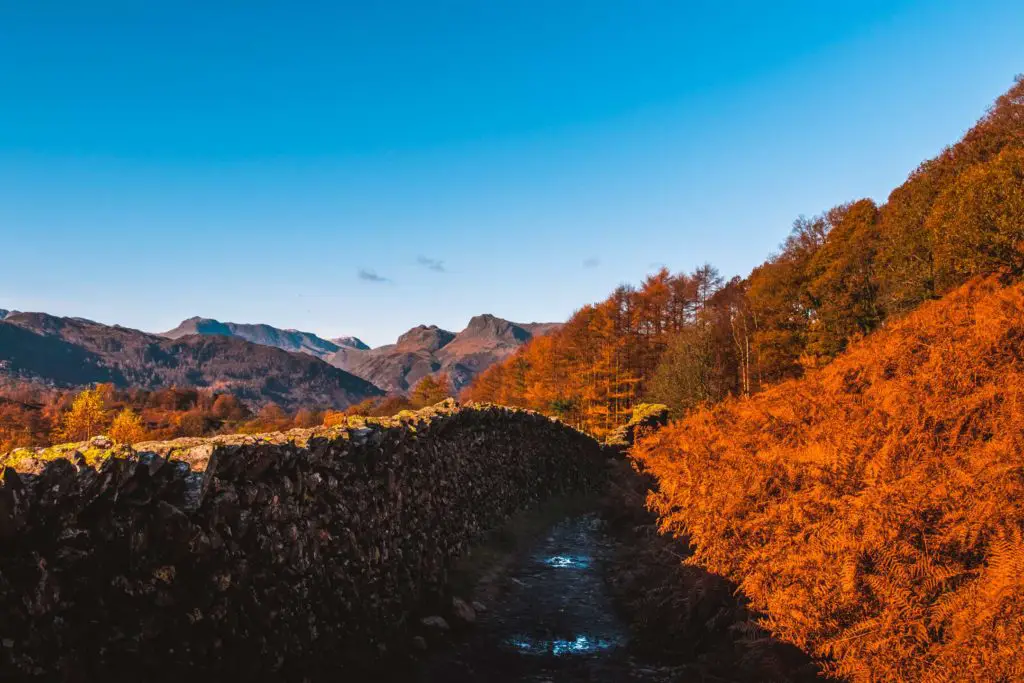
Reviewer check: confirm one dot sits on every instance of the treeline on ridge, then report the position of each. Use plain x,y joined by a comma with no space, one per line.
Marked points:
693,339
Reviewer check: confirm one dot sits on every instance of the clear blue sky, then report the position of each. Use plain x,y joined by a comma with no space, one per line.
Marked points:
308,164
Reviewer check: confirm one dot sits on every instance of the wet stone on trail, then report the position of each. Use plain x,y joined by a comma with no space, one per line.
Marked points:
552,620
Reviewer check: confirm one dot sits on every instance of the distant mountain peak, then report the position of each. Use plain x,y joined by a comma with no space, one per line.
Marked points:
487,325
197,325
430,350
427,338
351,343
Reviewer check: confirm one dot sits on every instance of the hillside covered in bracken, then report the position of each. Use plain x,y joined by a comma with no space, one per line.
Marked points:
873,510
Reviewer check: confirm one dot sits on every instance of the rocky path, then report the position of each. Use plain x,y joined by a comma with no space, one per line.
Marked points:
549,618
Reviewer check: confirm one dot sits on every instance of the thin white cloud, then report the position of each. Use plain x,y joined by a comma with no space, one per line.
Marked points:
436,265
371,276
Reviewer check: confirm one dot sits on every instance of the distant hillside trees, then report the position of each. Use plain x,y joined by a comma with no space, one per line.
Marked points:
593,370
429,390
32,415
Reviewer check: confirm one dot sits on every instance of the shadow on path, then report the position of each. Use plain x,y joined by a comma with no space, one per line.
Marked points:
550,618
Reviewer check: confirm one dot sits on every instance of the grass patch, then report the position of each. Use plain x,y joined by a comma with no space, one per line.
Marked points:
27,459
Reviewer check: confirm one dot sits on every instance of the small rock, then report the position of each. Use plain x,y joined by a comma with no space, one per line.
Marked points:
435,622
479,606
419,643
165,573
462,611
101,442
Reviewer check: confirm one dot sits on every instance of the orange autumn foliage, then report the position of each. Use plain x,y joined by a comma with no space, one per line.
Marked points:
33,415
689,340
874,510
596,368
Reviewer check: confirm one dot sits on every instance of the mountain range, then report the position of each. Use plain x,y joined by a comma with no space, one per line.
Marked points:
430,350
260,364
286,340
70,352
394,368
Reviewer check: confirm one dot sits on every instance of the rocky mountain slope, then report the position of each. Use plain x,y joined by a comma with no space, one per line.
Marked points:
267,335
430,350
74,352
350,342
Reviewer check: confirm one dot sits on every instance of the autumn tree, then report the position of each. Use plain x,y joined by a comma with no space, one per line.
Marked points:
684,378
486,386
842,280
192,423
780,301
335,418
23,422
391,405
733,326
306,418
127,427
906,271
86,417
978,223
431,390
364,407
271,418
228,407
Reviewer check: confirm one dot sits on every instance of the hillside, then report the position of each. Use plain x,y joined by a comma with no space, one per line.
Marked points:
874,509
429,350
421,351
74,352
286,340
689,339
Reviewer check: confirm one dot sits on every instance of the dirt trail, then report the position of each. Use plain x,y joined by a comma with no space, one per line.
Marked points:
549,618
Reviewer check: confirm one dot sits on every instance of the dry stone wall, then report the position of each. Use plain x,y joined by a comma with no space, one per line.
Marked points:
284,557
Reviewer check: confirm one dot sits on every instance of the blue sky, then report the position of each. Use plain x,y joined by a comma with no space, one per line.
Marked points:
359,168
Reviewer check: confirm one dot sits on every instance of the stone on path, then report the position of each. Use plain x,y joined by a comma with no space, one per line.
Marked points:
435,623
462,612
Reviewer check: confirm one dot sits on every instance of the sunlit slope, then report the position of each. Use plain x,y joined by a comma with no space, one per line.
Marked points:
874,509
